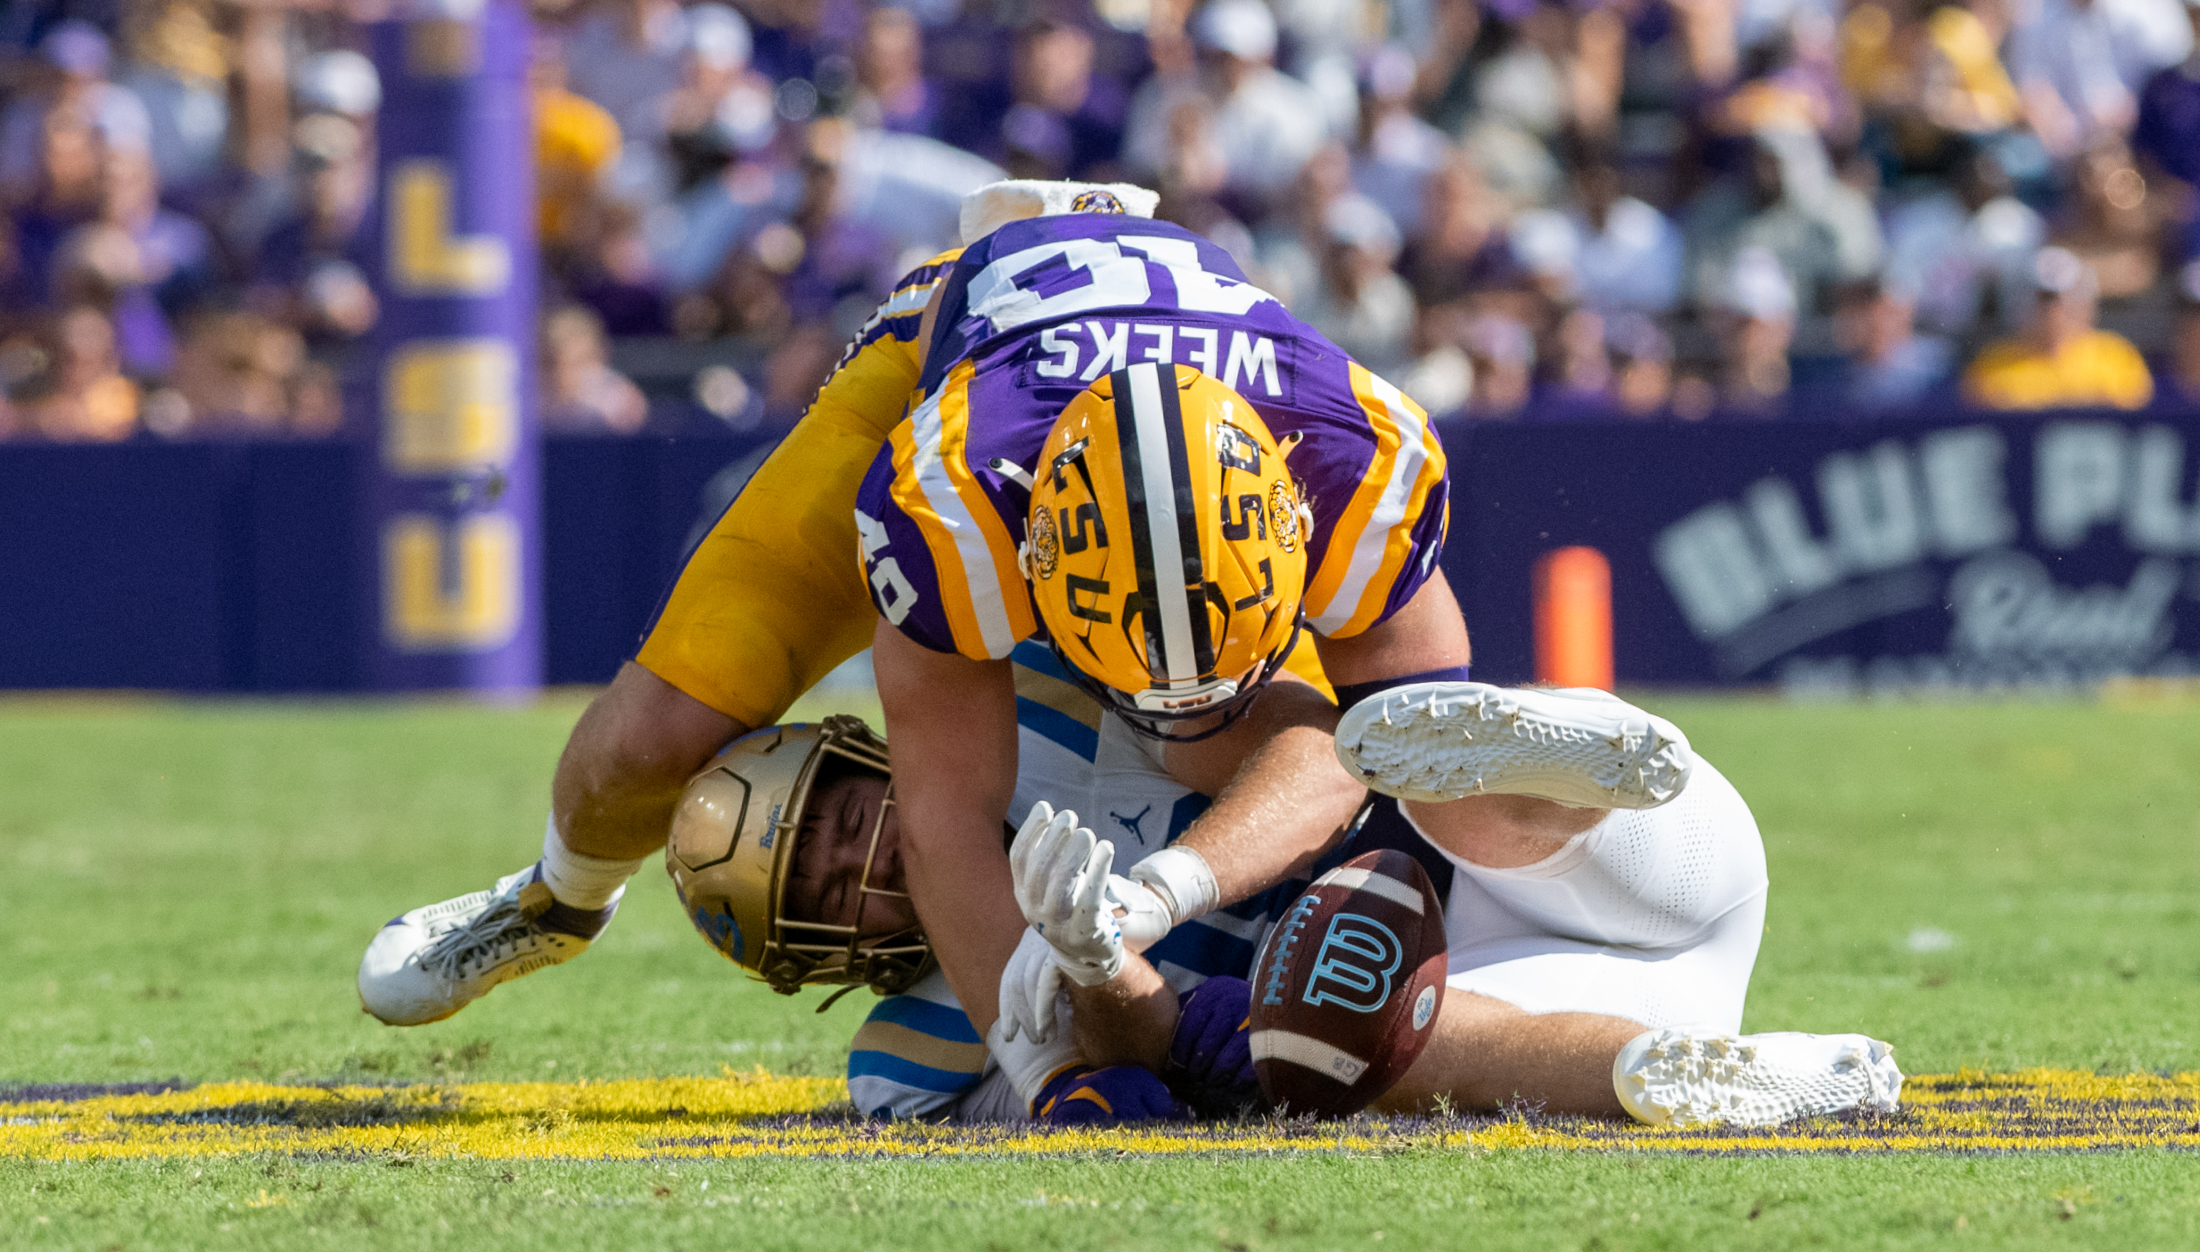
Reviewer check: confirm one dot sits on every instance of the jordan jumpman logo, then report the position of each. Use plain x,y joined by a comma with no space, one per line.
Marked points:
1131,823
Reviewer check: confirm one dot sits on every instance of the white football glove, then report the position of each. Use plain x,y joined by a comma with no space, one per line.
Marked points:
1031,990
1061,875
1028,1063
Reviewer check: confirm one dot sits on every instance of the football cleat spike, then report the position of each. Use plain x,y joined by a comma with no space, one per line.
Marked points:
1668,1078
1575,745
435,960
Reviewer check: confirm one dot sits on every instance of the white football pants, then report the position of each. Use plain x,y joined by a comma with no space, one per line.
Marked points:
1652,915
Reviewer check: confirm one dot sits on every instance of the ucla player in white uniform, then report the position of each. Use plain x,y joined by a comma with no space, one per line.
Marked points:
917,1054
1606,975
1599,952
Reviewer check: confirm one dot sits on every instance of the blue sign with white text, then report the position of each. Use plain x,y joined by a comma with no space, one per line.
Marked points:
1974,552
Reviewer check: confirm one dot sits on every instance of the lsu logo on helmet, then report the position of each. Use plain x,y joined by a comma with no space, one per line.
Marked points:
1289,515
1046,547
1097,201
1179,534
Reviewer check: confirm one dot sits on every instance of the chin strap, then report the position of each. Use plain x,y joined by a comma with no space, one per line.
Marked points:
834,998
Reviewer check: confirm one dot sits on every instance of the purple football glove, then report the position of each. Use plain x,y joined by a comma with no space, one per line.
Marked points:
1211,1058
1213,1035
1084,1096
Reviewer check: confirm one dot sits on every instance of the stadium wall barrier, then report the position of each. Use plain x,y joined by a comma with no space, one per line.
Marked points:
1826,557
1836,557
234,566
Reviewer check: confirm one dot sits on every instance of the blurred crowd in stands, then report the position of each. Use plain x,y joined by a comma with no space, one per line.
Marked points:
1515,209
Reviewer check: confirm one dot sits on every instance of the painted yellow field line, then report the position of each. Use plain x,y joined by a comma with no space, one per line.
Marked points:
758,1114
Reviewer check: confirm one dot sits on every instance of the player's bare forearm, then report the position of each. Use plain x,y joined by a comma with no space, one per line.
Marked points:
1281,799
1127,1020
952,724
1428,634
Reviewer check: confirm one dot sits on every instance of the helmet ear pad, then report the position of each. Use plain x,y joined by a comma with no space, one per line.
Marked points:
1166,544
732,847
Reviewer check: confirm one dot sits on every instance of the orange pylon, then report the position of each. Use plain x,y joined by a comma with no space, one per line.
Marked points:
1573,618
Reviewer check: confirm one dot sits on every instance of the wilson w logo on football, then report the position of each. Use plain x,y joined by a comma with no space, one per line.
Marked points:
1354,965
1335,1023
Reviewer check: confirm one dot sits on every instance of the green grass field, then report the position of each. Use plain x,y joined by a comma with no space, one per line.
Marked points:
187,887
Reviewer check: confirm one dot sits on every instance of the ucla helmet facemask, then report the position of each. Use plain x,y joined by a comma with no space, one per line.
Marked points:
1167,548
734,840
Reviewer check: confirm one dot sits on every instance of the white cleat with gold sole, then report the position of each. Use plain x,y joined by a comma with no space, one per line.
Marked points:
1576,745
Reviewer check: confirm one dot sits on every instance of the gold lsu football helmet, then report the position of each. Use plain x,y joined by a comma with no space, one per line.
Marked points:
1167,548
734,839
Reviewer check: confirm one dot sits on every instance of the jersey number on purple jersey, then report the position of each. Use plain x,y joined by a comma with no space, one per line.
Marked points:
1061,279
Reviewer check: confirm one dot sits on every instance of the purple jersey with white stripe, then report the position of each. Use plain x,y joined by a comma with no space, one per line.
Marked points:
1031,316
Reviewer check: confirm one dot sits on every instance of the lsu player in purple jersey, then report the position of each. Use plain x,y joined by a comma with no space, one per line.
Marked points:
1124,448
767,603
1117,434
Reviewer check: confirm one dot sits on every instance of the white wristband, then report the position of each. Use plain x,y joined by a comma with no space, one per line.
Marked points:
1183,880
1146,916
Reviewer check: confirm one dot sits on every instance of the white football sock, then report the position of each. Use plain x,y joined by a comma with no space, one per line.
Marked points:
584,882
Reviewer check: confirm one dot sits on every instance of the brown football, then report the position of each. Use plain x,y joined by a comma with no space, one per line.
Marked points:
1347,986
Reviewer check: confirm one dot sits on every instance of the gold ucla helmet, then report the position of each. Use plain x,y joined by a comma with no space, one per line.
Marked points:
1167,547
732,849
